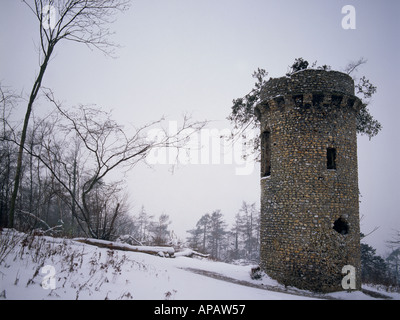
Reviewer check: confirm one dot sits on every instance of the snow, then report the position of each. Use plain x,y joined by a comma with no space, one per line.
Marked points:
43,267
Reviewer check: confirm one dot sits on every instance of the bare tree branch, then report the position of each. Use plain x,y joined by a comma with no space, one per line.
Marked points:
104,147
83,21
353,65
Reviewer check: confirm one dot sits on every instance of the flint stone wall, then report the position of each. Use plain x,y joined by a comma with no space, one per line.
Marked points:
301,199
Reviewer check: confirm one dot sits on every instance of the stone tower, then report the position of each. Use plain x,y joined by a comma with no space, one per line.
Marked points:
309,179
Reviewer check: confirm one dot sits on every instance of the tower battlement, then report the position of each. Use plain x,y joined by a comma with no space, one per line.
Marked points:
309,80
309,179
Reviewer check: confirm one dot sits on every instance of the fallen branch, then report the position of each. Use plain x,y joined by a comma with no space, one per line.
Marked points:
33,216
190,253
49,229
160,251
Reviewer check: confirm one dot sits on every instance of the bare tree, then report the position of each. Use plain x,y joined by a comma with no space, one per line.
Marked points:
366,124
8,99
88,145
83,21
395,242
352,66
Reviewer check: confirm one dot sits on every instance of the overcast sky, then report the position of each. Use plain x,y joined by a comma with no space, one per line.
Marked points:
196,56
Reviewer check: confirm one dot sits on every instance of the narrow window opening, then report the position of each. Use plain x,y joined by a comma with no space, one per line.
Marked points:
298,100
266,154
341,226
331,158
317,99
337,100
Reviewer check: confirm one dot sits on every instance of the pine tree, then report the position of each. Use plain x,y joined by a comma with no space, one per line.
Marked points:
203,225
194,241
373,267
216,234
160,230
250,229
144,222
393,261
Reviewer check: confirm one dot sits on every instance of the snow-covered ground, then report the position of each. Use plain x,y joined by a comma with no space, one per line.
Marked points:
40,267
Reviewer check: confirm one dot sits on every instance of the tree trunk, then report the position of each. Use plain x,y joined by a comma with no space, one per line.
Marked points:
32,98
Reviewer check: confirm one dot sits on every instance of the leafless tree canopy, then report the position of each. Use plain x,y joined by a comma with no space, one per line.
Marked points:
78,157
352,66
70,154
84,21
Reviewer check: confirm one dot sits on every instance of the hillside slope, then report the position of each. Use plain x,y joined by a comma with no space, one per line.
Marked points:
41,267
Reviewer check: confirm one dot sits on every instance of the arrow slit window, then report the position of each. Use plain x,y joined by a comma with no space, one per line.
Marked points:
266,154
331,158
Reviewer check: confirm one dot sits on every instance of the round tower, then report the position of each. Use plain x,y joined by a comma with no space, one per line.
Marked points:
309,180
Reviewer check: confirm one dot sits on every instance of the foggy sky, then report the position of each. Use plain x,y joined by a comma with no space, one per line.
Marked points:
197,56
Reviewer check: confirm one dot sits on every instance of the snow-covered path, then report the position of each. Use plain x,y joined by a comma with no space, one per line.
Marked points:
51,268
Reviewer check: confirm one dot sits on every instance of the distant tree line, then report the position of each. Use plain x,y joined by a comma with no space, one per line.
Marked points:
377,270
147,230
241,241
213,236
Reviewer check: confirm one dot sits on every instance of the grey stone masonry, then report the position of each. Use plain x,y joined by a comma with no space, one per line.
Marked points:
309,179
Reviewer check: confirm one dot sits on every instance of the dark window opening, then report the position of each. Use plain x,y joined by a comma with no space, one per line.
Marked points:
331,158
317,99
341,226
298,100
280,101
337,100
350,102
265,154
